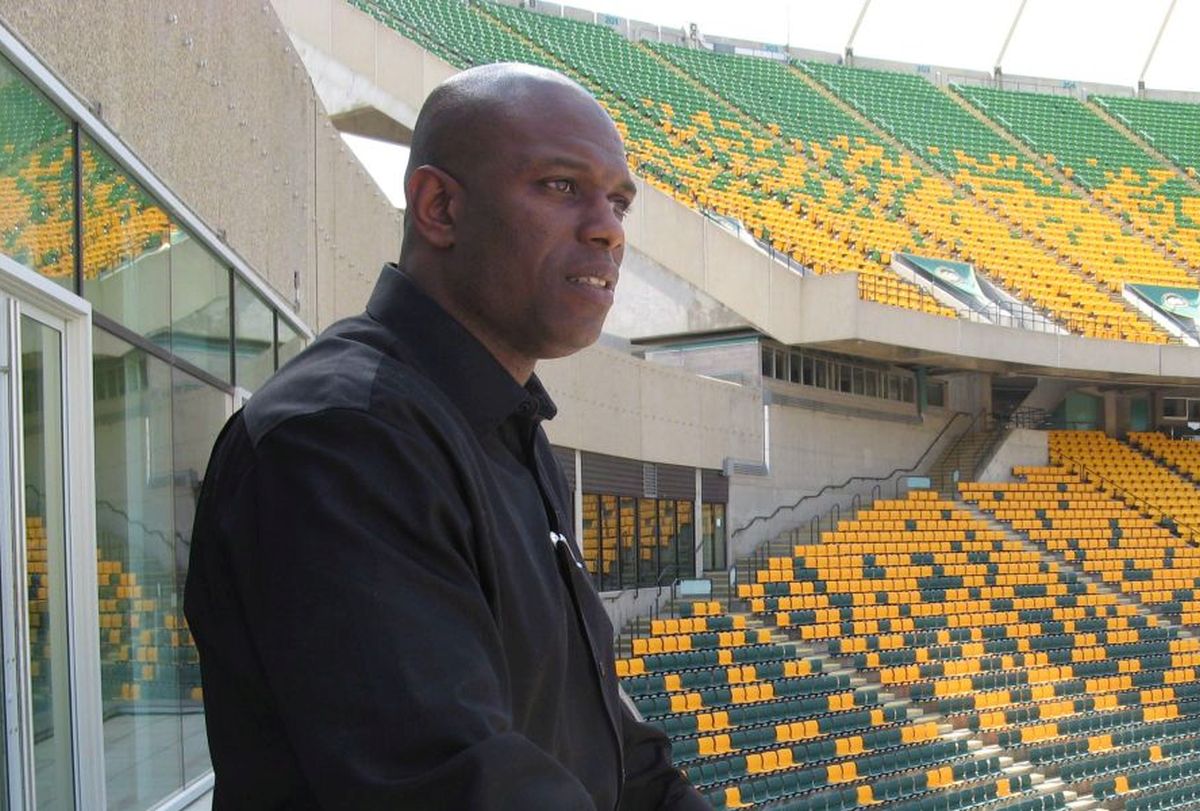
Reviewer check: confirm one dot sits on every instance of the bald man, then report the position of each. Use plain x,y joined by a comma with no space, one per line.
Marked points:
390,610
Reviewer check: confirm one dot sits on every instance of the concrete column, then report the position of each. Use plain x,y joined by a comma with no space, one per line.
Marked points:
1110,413
698,531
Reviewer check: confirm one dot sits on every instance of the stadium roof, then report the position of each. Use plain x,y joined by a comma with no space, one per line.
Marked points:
1098,41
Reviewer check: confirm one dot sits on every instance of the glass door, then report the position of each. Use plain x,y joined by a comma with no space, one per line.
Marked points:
51,751
10,796
43,507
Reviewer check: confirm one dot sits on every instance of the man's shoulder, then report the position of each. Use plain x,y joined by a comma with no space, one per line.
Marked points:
357,366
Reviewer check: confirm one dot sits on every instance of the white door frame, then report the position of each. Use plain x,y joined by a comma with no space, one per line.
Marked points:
25,292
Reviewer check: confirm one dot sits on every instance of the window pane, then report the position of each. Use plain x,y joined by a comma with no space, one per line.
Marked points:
627,530
127,242
37,171
591,534
137,553
843,384
609,571
199,307
648,539
794,367
685,544
1174,407
254,333
872,383
198,412
808,373
667,530
859,374
46,550
290,341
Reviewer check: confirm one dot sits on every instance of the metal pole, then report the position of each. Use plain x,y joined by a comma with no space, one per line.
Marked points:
1007,40
854,32
1141,83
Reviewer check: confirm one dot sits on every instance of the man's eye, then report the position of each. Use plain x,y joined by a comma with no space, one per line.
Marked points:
561,184
622,208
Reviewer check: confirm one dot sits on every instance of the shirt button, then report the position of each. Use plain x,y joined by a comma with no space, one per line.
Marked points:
525,408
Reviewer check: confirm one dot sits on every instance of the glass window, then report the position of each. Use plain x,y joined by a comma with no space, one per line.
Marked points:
610,574
45,555
808,371
859,374
1175,408
127,249
628,530
254,337
200,328
668,538
821,380
288,343
685,541
1193,411
794,367
198,411
871,383
648,541
137,563
843,383
768,362
893,387
591,534
713,518
908,390
37,181
937,395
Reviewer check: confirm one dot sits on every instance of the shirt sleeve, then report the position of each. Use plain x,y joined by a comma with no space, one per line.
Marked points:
652,783
366,608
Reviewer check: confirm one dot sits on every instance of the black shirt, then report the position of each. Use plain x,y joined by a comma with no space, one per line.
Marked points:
388,604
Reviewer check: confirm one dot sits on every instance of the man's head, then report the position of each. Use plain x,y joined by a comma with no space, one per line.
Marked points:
516,188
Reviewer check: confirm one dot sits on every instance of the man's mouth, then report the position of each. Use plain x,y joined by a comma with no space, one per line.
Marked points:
592,281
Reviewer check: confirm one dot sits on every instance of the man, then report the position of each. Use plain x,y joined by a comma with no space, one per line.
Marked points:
389,609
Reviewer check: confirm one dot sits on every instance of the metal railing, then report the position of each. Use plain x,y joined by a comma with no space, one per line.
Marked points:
1143,505
879,482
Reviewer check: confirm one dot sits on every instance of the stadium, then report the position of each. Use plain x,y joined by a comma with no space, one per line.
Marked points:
884,467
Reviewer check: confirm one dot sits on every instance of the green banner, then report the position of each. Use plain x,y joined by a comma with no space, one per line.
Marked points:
1180,304
959,277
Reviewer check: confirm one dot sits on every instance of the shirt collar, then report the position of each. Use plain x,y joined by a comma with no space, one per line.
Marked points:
445,352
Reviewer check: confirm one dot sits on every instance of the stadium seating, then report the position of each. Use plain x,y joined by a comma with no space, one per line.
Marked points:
1154,198
1170,127
1023,194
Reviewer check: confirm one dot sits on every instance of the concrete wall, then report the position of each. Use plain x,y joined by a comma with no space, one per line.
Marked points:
616,404
810,449
1023,446
213,97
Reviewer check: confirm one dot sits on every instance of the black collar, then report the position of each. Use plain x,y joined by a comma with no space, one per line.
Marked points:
451,357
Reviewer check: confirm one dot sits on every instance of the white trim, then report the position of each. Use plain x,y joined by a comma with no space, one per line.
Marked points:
189,794
45,80
47,303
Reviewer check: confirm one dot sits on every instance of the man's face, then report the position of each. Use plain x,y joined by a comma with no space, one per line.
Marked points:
538,240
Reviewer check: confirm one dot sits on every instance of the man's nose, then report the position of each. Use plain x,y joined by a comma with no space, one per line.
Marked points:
603,227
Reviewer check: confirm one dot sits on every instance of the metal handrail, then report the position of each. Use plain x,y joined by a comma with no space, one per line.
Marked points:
847,482
1143,504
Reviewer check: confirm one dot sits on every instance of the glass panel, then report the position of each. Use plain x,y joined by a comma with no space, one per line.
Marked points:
843,383
8,695
198,412
254,334
1174,408
591,534
794,367
685,545
199,307
859,374
127,253
872,383
609,570
1193,413
768,362
629,545
290,342
713,516
37,181
807,376
45,550
667,539
648,539
136,563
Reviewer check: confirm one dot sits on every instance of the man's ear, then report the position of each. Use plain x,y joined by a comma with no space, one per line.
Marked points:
432,197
